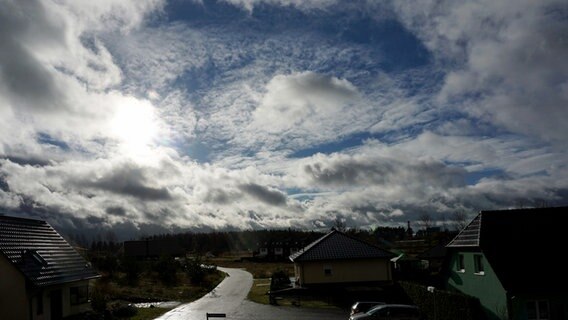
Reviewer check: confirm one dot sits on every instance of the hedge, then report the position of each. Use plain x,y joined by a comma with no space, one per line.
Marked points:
441,304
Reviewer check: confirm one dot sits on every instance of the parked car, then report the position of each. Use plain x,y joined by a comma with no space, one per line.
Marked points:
364,306
389,312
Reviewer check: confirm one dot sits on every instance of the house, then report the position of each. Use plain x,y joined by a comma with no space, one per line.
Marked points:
510,260
434,257
276,250
337,258
41,275
144,249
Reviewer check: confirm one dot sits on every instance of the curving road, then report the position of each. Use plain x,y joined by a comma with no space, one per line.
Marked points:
229,297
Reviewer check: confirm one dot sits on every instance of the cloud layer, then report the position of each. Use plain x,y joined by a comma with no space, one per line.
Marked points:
154,116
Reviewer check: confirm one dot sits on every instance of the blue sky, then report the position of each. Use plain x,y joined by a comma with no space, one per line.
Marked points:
155,116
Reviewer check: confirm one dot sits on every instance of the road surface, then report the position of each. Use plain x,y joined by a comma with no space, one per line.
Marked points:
229,297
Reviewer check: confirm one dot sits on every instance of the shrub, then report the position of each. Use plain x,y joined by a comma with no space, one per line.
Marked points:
166,268
441,304
194,270
132,268
123,310
279,280
99,296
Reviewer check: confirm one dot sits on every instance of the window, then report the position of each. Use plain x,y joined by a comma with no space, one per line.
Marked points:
478,263
79,295
538,310
327,270
460,263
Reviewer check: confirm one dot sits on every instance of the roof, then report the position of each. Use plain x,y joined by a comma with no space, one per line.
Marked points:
518,245
337,245
436,252
40,253
468,236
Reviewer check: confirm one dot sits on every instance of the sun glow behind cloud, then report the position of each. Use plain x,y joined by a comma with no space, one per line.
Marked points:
269,113
135,125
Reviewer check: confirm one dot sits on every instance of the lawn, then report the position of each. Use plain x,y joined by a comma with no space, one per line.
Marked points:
259,270
262,271
149,288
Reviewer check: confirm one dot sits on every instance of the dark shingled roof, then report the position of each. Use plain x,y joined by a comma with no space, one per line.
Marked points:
519,245
337,246
40,253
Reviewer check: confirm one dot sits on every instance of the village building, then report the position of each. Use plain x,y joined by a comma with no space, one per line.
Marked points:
339,259
506,260
41,275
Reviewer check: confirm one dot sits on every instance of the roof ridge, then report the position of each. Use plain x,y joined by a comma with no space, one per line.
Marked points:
310,246
8,218
465,229
362,241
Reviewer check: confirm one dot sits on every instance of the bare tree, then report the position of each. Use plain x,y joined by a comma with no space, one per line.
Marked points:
425,220
339,224
444,222
460,219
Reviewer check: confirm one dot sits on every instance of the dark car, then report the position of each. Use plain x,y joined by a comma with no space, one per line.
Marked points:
390,312
364,306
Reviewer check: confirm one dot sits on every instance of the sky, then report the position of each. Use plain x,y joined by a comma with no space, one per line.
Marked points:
152,116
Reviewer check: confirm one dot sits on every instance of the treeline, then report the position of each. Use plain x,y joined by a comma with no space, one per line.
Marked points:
234,241
249,240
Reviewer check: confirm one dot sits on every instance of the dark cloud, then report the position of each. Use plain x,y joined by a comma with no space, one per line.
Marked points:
32,161
127,180
218,196
351,171
23,78
4,186
264,194
116,211
95,220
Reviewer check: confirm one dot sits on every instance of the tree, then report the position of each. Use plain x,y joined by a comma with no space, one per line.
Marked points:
425,220
460,220
339,224
444,222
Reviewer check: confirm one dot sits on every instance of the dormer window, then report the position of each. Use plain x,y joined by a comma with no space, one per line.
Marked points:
33,255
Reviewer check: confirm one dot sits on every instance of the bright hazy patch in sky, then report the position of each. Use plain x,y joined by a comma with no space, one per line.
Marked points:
147,116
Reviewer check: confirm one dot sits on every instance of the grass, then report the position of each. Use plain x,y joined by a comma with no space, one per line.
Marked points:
149,313
259,270
258,291
149,289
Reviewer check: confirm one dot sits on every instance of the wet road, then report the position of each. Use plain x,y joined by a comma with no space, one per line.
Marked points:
229,297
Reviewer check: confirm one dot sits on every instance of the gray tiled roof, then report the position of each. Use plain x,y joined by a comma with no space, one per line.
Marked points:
337,246
40,253
469,236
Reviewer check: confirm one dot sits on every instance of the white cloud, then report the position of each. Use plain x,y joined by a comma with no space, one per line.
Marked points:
506,60
300,4
303,100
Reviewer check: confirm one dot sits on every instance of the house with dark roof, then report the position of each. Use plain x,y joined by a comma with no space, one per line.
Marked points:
337,258
41,275
509,260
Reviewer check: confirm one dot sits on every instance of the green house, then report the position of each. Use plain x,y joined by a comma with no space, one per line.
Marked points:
510,260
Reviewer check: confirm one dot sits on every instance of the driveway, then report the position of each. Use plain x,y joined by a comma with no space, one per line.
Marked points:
229,297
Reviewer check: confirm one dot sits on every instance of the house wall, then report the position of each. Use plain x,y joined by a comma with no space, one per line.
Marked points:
364,270
13,300
67,308
558,305
487,287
